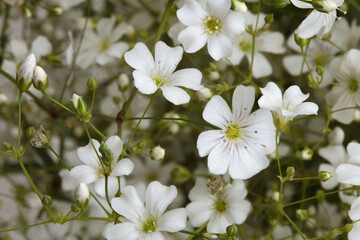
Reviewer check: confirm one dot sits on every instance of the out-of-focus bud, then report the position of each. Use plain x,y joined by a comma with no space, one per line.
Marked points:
7,145
312,82
30,132
130,31
324,176
275,196
3,98
180,174
27,11
325,6
81,194
25,73
320,70
106,155
301,214
326,37
269,18
290,172
174,128
47,200
92,84
357,115
306,154
240,6
204,94
232,230
311,210
75,208
57,10
123,81
336,137
40,79
79,105
41,138
348,227
301,41
214,75
157,153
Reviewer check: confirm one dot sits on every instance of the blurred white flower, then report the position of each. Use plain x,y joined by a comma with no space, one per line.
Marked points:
103,46
354,214
93,169
153,73
146,220
244,139
221,209
212,23
349,172
345,35
285,108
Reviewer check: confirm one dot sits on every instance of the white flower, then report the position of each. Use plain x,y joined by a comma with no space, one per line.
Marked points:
151,74
285,108
93,169
221,209
354,214
212,23
157,153
146,220
265,42
25,73
81,193
243,140
345,35
40,79
346,90
320,20
103,46
349,172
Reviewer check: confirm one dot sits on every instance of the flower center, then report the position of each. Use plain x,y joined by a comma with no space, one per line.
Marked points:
105,45
220,205
245,43
212,24
321,60
233,131
149,225
159,79
353,85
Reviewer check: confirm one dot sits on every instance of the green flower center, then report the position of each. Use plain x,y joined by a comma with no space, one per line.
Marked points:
149,225
353,85
233,131
245,44
220,205
105,45
159,79
321,60
212,24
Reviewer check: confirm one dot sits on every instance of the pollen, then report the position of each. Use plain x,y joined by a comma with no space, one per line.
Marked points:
233,131
212,25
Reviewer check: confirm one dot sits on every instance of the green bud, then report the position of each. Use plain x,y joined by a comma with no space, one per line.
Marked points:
348,227
40,79
290,171
106,155
157,153
302,214
301,41
180,174
320,70
232,230
324,176
41,139
75,208
79,105
8,145
30,132
92,84
56,10
336,232
27,11
47,200
269,18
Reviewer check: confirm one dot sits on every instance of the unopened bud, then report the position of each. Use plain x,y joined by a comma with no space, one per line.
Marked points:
214,75
204,94
306,154
157,153
357,115
325,6
3,98
301,214
79,105
30,132
180,174
123,81
232,230
301,41
130,31
40,79
311,80
92,84
47,200
275,195
320,70
269,18
27,11
57,10
174,128
75,208
348,227
290,171
240,6
336,232
25,73
7,145
106,155
41,138
324,176
326,37
81,194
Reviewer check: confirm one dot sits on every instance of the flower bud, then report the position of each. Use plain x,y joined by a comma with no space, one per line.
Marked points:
25,73
41,138
306,154
30,132
81,194
214,75
324,176
27,11
275,196
348,227
180,174
123,81
174,128
320,70
232,230
130,31
204,94
326,37
40,79
269,18
3,98
240,6
157,153
47,200
79,105
57,10
106,155
75,208
336,232
301,214
357,115
325,6
7,145
301,41
92,84
290,171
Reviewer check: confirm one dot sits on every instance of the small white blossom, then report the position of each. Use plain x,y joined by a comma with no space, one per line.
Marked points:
204,94
354,214
157,153
40,79
25,73
81,193
349,172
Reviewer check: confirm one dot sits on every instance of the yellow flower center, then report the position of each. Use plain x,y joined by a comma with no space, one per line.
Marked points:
233,131
212,24
245,44
353,85
149,225
220,205
321,60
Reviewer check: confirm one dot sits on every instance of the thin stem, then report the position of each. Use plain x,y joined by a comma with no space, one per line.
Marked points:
198,231
355,4
29,179
102,206
97,131
343,109
60,158
19,120
25,227
92,100
107,191
58,103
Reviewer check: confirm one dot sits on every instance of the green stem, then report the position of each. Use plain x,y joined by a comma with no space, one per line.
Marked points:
355,4
92,101
25,227
60,158
171,119
198,231
162,25
343,109
58,103
97,131
19,120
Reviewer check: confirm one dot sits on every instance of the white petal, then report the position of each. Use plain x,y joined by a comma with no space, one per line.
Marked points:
173,221
152,236
237,191
124,167
307,108
193,38
355,232
346,116
353,149
140,58
312,25
217,112
271,98
103,58
261,67
234,23
41,46
200,193
167,58
301,4
348,173
18,48
207,141
158,197
236,56
85,59
354,212
189,78
118,32
332,182
219,46
294,65
191,13
129,205
198,212
113,186
271,42
115,144
88,155
84,173
125,230
242,102
219,158
238,211
219,8
293,96
334,154
218,224
118,49
105,26
144,83
175,95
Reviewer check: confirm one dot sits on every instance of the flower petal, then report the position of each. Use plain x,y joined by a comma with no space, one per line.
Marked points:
354,212
124,167
173,221
118,49
353,149
191,13
118,32
219,46
218,8
271,98
175,95
125,230
140,58
113,186
294,64
193,38
144,83
332,182
158,197
238,211
88,155
207,141
115,144
261,66
242,102
219,158
167,58
312,25
217,112
198,212
218,224
334,154
348,173
84,173
189,78
271,42
234,23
